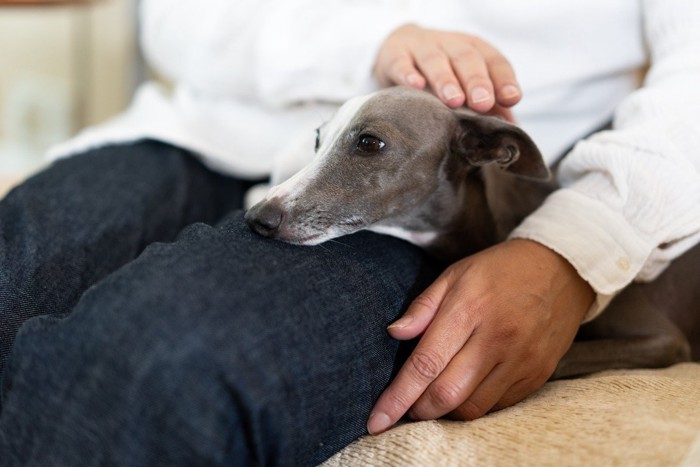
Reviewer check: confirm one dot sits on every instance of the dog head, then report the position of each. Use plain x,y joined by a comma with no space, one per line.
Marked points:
395,161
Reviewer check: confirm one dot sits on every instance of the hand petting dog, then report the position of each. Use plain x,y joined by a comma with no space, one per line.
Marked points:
459,68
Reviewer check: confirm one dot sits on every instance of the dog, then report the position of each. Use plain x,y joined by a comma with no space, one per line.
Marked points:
453,182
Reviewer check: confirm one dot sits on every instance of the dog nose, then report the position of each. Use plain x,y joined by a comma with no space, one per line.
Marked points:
265,218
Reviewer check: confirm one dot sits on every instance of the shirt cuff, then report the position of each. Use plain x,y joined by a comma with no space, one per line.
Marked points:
606,251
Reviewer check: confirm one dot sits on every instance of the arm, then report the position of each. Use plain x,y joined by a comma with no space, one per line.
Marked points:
630,204
631,197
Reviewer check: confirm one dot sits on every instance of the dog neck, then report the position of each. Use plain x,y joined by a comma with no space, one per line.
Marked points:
487,205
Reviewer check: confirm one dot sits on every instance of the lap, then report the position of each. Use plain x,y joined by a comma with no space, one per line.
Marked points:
82,218
291,339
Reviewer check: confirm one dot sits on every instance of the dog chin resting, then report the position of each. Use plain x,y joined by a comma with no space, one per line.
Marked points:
399,162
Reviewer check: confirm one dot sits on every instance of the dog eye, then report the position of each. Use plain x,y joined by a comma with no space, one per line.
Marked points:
318,140
369,144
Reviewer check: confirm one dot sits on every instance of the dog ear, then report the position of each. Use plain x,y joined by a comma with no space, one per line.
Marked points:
483,140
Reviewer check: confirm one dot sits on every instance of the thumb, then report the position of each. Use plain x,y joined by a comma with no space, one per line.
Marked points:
421,312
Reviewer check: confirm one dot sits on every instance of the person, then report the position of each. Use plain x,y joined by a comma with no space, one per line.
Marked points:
141,322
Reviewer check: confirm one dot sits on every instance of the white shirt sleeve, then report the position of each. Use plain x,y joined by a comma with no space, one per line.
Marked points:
630,197
278,52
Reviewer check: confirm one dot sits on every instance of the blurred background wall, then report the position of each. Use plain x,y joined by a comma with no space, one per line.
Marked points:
63,66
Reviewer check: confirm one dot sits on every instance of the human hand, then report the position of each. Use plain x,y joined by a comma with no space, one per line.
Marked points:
459,68
494,327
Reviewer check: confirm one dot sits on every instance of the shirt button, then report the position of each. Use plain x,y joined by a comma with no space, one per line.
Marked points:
623,262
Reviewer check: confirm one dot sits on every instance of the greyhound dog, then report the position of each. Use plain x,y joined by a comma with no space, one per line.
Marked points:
399,162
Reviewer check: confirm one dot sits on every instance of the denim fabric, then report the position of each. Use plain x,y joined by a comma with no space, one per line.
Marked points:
70,226
216,348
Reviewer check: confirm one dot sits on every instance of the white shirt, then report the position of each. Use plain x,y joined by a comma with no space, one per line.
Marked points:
251,75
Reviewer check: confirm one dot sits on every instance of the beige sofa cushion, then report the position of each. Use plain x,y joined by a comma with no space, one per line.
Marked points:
628,417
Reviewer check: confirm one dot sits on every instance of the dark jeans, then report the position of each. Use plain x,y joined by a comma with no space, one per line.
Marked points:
156,329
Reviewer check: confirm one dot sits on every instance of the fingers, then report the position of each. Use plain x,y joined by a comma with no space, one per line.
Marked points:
425,363
421,368
490,395
519,391
435,64
480,378
401,70
501,73
448,332
422,310
472,72
466,372
469,67
486,396
467,392
461,69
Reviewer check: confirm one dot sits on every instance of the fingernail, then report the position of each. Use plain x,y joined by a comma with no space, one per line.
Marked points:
378,422
509,91
401,323
480,95
450,92
413,80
